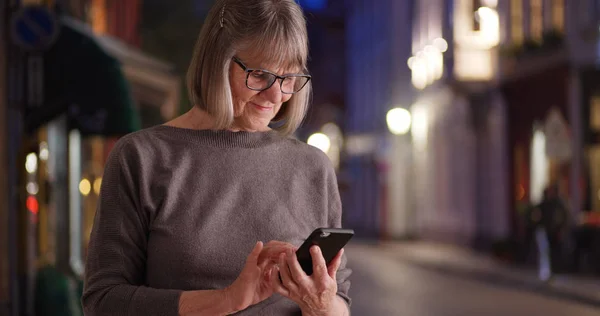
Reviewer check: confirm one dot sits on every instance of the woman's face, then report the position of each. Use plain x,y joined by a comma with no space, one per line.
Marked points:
254,110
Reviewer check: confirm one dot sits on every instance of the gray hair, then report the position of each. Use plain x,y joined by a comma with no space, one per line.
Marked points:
275,29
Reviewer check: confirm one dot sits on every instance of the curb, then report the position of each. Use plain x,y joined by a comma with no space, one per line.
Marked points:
528,283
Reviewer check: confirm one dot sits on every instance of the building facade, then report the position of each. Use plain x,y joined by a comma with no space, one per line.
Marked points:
96,85
458,122
446,178
550,82
378,36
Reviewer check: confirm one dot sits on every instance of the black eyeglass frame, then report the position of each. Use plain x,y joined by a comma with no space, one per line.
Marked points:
248,71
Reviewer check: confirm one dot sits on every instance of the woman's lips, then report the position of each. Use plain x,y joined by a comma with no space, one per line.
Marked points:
262,108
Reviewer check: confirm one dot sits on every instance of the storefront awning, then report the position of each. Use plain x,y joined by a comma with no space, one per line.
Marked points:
86,82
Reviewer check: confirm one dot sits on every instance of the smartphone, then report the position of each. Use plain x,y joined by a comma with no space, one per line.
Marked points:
330,240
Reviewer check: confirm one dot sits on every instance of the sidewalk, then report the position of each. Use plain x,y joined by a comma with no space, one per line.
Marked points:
467,263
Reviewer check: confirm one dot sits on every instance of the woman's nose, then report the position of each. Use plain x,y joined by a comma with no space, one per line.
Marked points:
273,94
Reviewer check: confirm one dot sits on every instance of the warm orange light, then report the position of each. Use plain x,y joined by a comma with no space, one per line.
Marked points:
537,19
520,193
32,205
558,14
98,16
516,21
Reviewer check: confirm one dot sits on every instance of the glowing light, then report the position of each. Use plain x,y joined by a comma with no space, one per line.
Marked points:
316,5
489,3
97,185
32,188
31,163
410,62
419,72
398,121
539,178
489,34
420,126
336,139
320,141
473,64
32,204
44,152
85,187
427,65
430,49
440,44
435,63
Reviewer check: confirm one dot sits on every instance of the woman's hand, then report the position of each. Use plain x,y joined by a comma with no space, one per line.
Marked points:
273,249
253,284
315,294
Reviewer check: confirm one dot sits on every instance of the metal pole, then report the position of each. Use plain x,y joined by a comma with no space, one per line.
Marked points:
15,74
4,253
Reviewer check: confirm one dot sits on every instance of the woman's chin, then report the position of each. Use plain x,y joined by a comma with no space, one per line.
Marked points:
253,124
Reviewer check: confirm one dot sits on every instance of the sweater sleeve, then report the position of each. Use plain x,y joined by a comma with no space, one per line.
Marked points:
335,221
116,257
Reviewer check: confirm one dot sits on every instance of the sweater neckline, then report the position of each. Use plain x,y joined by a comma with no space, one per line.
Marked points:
221,138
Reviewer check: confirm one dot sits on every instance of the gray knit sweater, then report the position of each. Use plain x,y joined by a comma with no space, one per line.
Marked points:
181,209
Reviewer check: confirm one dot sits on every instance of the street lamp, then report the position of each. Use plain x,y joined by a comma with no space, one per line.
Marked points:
31,163
320,141
398,121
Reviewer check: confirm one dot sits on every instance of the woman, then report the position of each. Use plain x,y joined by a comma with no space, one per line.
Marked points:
184,206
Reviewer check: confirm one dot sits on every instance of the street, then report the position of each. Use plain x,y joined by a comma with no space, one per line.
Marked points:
383,284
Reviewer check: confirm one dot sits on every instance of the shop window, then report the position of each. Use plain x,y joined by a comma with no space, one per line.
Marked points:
516,21
93,154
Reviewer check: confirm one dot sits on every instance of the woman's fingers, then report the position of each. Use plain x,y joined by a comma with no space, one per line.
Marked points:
335,264
253,256
286,277
276,282
319,265
315,292
295,269
273,249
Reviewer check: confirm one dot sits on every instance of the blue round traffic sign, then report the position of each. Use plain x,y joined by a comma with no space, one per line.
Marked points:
34,28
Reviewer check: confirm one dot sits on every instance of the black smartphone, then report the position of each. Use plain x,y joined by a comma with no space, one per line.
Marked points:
330,240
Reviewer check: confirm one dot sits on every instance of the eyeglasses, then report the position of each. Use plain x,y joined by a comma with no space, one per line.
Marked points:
260,79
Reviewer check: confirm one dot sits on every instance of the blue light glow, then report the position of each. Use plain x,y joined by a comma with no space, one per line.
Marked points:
314,5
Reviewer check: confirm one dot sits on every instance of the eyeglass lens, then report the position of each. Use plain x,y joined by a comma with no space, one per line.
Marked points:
260,80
